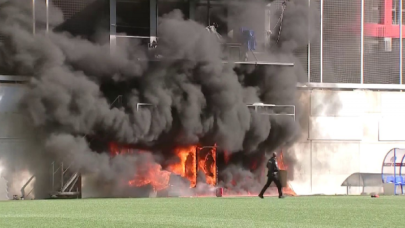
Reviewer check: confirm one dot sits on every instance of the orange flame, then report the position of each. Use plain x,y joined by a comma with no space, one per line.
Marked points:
187,165
152,173
207,163
280,160
191,159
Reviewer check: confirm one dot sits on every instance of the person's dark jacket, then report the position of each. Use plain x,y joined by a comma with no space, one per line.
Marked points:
272,167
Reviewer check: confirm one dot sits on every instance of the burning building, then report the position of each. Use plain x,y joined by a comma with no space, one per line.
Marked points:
194,164
183,120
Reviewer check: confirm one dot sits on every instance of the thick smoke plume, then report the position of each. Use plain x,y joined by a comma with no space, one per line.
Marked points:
196,98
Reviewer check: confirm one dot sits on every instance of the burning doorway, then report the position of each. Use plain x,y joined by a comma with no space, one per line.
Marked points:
194,164
189,162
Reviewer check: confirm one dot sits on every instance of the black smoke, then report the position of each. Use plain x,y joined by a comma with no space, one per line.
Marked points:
195,97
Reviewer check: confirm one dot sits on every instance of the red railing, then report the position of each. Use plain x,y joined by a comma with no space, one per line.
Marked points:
386,29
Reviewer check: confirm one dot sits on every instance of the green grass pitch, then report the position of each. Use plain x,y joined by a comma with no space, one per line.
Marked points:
313,211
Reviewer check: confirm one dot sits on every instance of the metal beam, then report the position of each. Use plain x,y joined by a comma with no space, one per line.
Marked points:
321,45
153,20
130,37
225,62
25,185
309,43
262,63
47,15
400,42
208,12
350,86
362,43
113,24
261,105
11,78
138,105
191,9
33,17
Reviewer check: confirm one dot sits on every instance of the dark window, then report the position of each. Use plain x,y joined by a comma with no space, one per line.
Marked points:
165,7
133,17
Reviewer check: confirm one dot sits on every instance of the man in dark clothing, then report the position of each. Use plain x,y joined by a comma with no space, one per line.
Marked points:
272,175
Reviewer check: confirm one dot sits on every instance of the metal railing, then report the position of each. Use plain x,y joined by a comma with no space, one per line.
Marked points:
257,106
23,195
65,183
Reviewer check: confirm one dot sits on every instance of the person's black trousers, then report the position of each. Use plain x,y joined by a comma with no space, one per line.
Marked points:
271,178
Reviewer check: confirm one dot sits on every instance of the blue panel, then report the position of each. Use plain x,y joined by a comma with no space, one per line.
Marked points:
391,171
249,39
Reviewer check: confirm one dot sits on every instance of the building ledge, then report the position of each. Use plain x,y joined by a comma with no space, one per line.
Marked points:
350,86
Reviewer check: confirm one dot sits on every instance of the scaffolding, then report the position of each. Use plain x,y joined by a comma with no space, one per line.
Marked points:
65,183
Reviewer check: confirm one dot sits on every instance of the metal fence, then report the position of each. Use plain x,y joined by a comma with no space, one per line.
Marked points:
359,42
71,7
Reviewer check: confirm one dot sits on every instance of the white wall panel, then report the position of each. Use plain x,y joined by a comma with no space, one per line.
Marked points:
338,103
14,125
372,155
336,128
378,127
392,128
304,110
392,103
302,168
372,101
10,96
370,127
332,163
17,139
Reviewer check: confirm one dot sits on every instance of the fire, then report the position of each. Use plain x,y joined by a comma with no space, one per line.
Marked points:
190,158
187,165
227,156
147,173
207,163
280,160
151,174
116,149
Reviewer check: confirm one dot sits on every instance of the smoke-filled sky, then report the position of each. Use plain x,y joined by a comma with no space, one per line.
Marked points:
196,98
